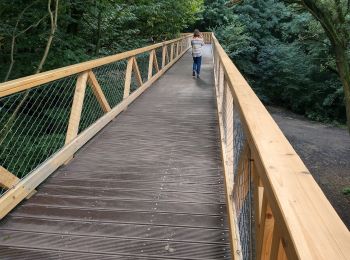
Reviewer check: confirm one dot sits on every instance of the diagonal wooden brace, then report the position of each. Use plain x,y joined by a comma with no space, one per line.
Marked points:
96,88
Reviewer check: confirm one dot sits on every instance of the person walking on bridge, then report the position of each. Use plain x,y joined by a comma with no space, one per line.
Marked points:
197,44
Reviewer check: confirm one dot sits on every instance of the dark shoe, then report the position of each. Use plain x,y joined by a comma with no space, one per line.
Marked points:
198,76
193,74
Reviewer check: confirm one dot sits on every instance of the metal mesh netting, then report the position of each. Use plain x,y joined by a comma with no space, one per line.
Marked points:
242,191
142,62
92,110
33,125
238,164
111,78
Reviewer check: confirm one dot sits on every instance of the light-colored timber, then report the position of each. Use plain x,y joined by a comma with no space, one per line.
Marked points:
73,141
77,107
128,75
123,200
7,179
308,225
150,185
96,88
28,82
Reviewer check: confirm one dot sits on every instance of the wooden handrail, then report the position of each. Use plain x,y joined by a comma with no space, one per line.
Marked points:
304,223
293,218
18,189
17,85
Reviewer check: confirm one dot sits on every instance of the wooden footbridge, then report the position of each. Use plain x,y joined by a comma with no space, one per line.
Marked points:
129,157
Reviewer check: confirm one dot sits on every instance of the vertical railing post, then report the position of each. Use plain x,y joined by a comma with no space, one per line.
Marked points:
77,107
172,52
177,48
164,53
266,230
150,65
153,62
128,75
258,191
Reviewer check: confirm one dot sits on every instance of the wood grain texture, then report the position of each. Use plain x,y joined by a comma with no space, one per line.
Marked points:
7,179
97,90
308,222
17,85
149,186
137,72
14,196
77,107
128,74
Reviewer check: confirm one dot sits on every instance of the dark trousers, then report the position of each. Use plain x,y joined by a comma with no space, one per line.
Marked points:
197,62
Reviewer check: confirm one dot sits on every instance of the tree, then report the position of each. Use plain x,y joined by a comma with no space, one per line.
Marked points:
334,17
286,57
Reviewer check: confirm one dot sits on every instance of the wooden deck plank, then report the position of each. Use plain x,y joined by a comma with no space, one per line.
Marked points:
149,186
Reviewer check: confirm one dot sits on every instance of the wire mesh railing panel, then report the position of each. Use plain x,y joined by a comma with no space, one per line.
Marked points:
143,62
242,195
41,124
236,158
134,84
33,125
159,55
111,78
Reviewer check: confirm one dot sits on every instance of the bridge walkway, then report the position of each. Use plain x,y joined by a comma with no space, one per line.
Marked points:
148,186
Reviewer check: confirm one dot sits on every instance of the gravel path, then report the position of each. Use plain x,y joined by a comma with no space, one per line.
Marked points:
326,152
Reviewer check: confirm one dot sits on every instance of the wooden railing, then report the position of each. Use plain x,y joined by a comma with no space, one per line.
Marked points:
276,209
114,82
207,37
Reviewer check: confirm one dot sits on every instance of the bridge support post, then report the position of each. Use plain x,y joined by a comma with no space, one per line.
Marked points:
171,52
152,62
265,231
77,107
164,54
128,74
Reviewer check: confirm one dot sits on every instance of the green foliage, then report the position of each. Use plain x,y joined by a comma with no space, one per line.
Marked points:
87,29
346,191
284,53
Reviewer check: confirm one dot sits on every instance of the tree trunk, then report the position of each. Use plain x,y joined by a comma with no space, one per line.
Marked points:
344,73
13,42
98,39
53,18
334,29
76,15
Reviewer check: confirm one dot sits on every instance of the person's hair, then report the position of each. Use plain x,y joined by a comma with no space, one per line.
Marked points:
196,33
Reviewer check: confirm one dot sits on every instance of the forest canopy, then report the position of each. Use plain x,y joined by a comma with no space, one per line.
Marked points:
280,46
85,29
284,52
